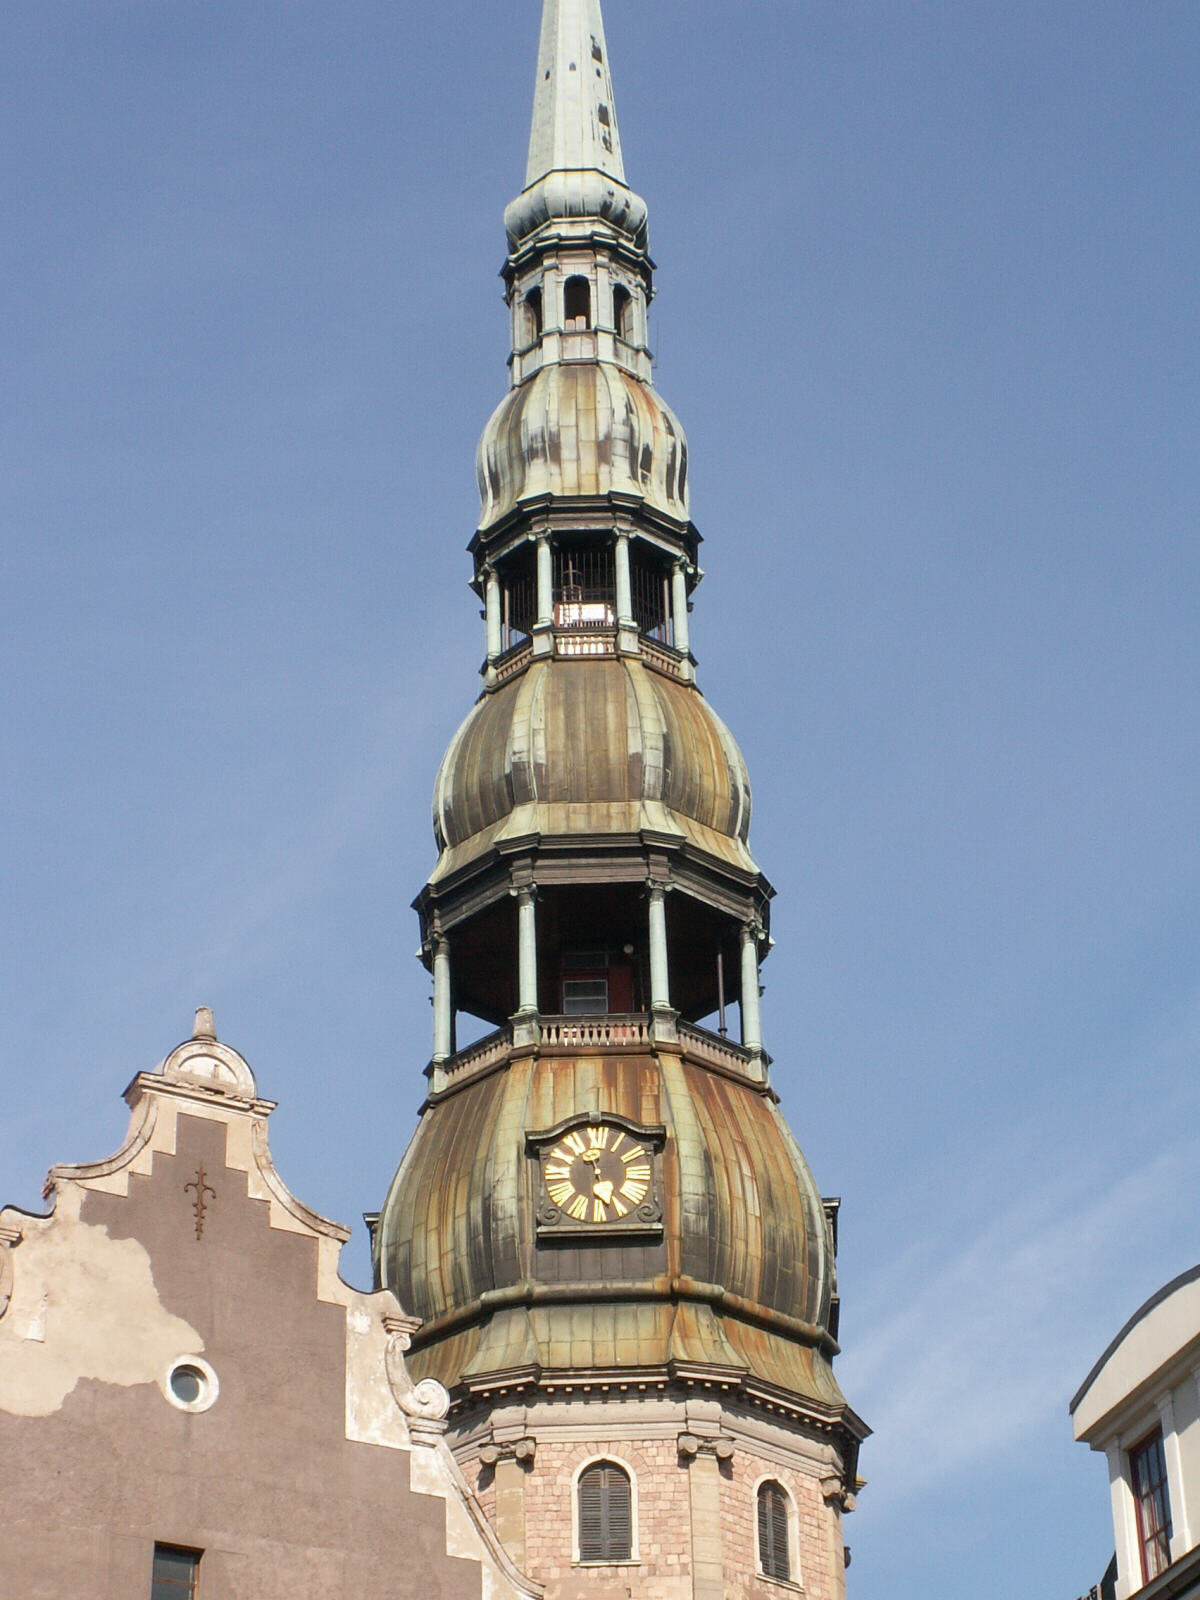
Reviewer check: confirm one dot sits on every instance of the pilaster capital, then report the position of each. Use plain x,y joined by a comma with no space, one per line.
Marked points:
691,1445
522,1451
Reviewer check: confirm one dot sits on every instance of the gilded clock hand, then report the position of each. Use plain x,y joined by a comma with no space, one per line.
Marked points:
603,1190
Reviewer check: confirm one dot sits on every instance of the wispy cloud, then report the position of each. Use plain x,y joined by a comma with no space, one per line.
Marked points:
998,1334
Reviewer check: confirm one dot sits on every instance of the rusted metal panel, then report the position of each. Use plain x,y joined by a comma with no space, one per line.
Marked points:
744,1230
593,746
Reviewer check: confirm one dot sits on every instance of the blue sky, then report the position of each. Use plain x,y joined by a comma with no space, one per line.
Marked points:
927,307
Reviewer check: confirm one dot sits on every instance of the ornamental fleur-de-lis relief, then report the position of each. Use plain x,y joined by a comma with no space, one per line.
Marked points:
204,1192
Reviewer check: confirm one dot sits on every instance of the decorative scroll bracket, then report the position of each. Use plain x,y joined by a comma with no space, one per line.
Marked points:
425,1405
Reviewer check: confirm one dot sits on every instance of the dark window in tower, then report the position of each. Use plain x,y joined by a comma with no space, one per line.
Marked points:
623,312
577,305
174,1574
532,317
605,1513
774,1560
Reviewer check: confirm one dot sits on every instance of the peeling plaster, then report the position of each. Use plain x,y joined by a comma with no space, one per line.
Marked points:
84,1306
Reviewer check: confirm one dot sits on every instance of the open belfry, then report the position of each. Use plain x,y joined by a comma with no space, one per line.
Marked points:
623,1268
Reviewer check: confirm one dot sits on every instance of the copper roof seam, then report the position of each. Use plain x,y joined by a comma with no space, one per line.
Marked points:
661,1290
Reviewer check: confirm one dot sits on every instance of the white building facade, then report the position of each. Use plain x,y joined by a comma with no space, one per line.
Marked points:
1140,1407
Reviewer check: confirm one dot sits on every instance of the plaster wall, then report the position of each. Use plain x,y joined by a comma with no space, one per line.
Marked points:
304,1480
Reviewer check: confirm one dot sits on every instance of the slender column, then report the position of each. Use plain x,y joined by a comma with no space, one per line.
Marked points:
545,583
660,986
679,609
624,587
751,1013
527,989
495,646
627,632
441,999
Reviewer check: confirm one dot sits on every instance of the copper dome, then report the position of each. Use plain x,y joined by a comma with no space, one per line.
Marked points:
596,745
582,428
741,1279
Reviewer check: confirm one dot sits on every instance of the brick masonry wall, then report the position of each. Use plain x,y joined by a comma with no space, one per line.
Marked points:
817,1550
663,1570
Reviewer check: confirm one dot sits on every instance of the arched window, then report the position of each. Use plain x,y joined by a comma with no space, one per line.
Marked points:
532,316
623,312
605,1510
577,305
774,1557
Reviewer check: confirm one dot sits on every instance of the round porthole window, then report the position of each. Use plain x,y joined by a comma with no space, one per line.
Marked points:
191,1384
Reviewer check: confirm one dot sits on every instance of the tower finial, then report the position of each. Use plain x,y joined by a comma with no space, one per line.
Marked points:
574,118
575,171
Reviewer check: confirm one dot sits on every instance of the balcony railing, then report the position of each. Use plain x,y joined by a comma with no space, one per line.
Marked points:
512,662
631,1030
661,657
713,1049
621,1031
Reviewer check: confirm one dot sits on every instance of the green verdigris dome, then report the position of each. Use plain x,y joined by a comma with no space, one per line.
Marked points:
598,745
741,1279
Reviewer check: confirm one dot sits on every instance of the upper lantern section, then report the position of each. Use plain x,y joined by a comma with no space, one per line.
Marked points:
575,168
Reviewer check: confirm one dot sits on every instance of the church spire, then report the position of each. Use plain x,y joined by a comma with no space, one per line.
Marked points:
574,118
575,173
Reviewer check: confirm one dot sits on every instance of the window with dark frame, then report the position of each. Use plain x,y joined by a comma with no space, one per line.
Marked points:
175,1573
774,1558
1148,1472
605,1513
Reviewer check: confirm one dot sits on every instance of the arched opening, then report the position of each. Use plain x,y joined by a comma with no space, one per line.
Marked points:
577,305
604,1495
774,1555
623,313
531,317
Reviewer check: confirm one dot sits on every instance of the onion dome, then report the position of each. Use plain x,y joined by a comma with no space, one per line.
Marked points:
588,746
741,1279
583,428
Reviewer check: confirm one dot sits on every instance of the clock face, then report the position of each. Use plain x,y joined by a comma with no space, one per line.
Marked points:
597,1174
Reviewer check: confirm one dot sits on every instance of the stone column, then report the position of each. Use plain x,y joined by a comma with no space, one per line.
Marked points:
660,982
495,642
679,609
626,626
704,1494
543,628
441,1001
527,991
751,1011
